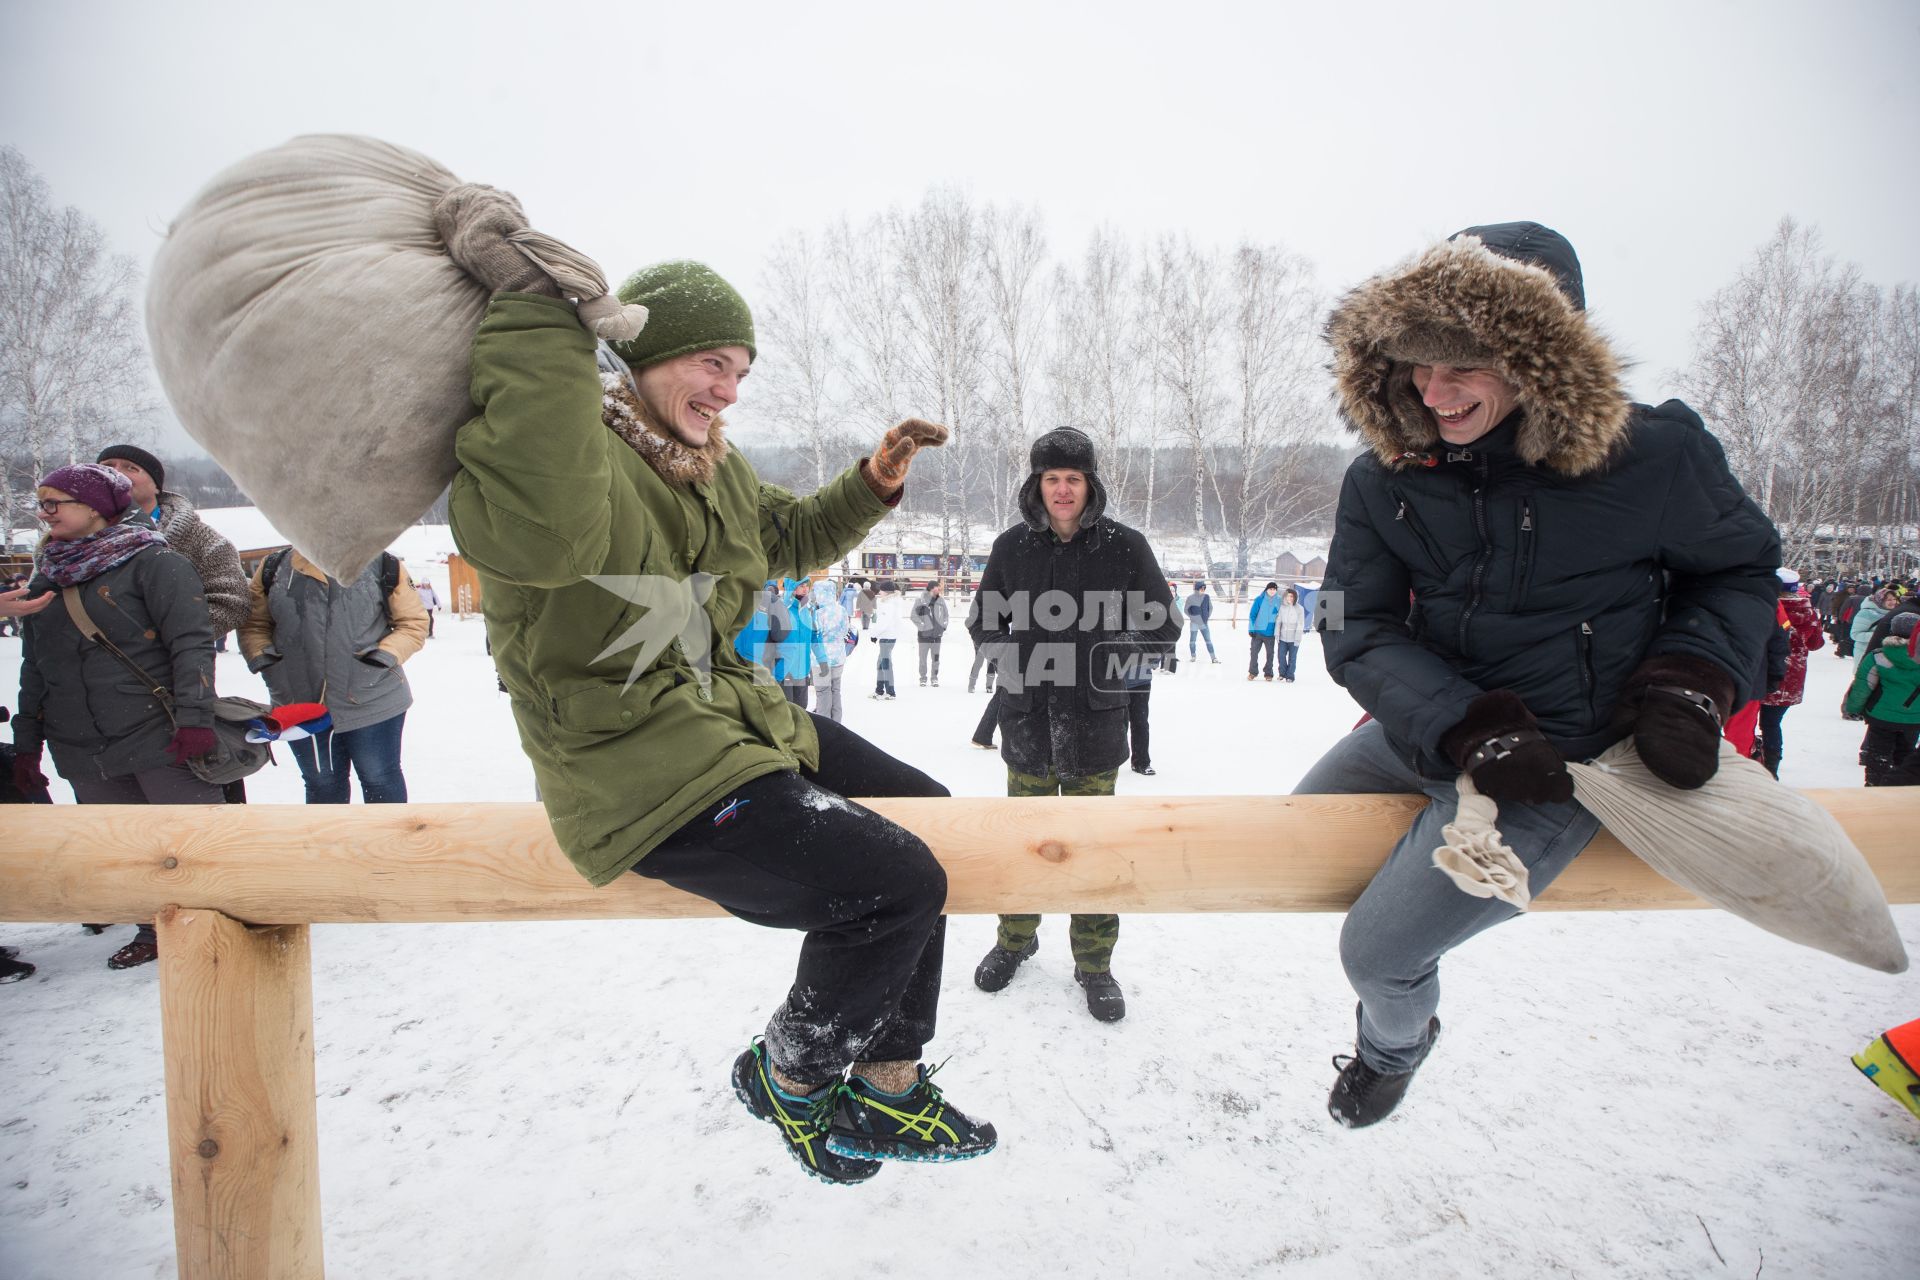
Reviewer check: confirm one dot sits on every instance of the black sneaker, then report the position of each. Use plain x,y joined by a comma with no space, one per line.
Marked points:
1104,999
996,970
920,1124
803,1121
1363,1096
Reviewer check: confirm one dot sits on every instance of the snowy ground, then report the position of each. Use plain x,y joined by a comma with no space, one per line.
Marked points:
1655,1094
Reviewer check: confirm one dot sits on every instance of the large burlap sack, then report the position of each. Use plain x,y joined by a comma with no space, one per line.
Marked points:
1743,842
313,335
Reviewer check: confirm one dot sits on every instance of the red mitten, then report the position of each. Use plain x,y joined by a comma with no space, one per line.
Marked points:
187,743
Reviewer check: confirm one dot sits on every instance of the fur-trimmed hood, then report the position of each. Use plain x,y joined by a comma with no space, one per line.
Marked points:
674,461
1507,298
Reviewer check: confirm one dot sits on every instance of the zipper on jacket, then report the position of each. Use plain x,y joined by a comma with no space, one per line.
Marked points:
1586,669
1406,516
1486,550
1523,562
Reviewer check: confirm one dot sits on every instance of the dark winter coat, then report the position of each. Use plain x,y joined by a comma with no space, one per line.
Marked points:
97,716
1803,637
1551,556
1063,686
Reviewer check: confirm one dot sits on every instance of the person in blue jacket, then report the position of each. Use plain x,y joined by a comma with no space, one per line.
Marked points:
796,647
1260,623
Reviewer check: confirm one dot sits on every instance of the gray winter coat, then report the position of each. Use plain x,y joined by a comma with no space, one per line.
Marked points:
930,616
212,556
77,698
317,640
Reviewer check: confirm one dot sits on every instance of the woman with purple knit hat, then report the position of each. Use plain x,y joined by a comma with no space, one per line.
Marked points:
112,740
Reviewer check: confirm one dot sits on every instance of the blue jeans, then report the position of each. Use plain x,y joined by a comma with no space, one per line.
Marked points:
1195,634
1411,914
374,753
1289,651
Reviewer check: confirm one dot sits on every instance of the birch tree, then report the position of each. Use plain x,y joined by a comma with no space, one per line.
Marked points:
945,329
73,369
800,354
1193,304
1013,250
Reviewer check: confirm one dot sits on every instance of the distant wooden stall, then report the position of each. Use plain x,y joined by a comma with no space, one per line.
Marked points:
463,587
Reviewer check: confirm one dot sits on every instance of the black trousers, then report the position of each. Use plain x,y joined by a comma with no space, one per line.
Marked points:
989,720
788,851
1137,724
1260,643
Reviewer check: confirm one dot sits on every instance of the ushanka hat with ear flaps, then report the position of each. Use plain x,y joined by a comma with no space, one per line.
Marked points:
689,308
1062,449
1507,298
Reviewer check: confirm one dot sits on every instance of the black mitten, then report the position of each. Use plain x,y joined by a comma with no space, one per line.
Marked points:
1676,707
1500,746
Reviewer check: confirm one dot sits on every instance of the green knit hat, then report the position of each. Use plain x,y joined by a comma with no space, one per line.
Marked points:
689,308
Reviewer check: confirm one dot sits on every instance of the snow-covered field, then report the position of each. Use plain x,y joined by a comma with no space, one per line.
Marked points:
1652,1094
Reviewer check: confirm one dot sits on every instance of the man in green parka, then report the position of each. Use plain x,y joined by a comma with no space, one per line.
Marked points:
621,543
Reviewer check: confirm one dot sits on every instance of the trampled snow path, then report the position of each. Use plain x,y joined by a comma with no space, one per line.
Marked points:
1648,1094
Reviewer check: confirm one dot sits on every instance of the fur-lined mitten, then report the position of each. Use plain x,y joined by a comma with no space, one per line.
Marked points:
1500,746
1676,707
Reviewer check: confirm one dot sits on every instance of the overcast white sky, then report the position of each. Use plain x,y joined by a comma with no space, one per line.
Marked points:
1664,139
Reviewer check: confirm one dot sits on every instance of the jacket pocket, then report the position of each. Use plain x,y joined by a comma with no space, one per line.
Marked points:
1407,516
1523,557
608,707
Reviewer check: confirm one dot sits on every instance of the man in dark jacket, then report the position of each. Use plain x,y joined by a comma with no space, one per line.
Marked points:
1579,568
1073,606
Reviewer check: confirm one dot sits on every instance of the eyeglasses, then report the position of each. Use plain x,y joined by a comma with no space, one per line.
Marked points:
51,506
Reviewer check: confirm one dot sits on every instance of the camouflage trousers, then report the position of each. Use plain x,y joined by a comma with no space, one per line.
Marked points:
1092,937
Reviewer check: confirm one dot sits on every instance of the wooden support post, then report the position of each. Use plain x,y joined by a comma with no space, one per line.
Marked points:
236,1009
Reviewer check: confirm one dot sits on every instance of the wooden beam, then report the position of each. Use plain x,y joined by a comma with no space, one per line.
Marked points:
236,1016
328,864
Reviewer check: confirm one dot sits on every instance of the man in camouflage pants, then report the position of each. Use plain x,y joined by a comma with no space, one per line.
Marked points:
1072,605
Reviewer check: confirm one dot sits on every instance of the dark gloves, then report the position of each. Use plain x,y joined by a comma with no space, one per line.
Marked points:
1675,707
26,774
187,743
1501,748
475,221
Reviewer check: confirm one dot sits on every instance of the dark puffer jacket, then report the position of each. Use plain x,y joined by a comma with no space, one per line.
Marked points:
1063,685
97,716
1553,554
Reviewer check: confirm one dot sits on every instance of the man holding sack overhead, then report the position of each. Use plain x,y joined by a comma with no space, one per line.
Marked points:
1579,567
622,542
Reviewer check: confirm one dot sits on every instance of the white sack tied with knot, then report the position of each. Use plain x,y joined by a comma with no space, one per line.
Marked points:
1743,842
313,335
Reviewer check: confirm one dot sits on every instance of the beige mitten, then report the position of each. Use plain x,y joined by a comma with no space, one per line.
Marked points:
475,221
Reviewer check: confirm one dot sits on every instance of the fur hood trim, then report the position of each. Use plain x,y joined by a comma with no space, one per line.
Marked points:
675,462
1461,303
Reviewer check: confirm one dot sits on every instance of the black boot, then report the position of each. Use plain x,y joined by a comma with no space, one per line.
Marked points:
1772,761
1104,999
12,968
1363,1096
999,965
